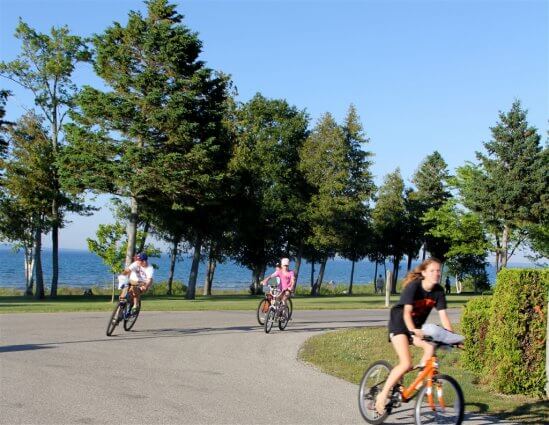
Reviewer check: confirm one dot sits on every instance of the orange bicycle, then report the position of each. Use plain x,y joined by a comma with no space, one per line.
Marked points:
439,397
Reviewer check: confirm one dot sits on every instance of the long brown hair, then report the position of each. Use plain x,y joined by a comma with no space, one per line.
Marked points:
415,274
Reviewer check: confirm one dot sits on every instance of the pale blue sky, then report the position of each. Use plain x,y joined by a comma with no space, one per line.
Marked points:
424,75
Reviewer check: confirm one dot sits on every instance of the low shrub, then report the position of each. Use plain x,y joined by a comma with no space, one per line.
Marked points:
516,338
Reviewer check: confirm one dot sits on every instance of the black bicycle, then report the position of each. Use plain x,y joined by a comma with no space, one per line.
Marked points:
265,303
278,312
123,312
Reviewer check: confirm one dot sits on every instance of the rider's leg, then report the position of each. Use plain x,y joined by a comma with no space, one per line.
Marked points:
402,347
123,294
428,350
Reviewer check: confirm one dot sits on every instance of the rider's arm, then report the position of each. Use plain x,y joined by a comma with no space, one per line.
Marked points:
445,320
292,282
408,308
264,281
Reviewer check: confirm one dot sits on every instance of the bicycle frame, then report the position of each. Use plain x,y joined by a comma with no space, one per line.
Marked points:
427,374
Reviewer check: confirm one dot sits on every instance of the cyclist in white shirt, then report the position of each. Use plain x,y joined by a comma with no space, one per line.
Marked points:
141,274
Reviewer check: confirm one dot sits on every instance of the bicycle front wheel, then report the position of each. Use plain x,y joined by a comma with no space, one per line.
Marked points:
130,318
262,310
442,403
269,320
290,307
284,317
115,318
370,386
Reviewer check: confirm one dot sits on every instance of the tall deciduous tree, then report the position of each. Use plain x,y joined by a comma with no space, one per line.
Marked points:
389,217
45,66
270,133
431,182
155,135
30,187
509,185
356,227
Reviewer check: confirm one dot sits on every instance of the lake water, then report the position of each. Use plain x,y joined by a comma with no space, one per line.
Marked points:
84,269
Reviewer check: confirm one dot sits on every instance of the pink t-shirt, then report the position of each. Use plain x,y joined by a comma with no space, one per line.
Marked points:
285,279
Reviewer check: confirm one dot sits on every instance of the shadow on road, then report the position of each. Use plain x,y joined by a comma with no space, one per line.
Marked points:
23,347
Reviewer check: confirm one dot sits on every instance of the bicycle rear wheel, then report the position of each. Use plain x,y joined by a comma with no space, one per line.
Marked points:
262,310
269,320
370,386
114,320
446,405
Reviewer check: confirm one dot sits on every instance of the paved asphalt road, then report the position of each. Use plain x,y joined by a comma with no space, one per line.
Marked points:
176,368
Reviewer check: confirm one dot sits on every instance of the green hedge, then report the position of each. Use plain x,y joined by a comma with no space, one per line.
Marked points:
474,326
515,342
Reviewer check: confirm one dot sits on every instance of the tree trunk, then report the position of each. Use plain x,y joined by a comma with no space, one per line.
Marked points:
298,263
384,267
143,240
320,277
396,262
424,252
409,265
352,277
312,275
29,268
173,258
39,294
375,278
210,272
55,203
504,247
54,251
132,231
191,290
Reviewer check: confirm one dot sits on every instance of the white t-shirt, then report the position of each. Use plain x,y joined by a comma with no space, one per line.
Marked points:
140,274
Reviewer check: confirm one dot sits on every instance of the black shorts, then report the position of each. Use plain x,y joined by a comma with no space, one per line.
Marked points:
396,323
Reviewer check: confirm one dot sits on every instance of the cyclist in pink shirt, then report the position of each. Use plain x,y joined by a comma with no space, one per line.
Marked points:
287,279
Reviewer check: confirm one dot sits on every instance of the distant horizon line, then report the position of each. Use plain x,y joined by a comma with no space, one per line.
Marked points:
8,247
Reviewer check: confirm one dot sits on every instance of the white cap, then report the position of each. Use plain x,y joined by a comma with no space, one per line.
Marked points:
285,262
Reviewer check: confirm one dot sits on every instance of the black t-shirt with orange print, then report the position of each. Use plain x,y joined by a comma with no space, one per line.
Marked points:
422,302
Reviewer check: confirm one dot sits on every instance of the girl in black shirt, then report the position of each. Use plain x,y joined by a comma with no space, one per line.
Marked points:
421,293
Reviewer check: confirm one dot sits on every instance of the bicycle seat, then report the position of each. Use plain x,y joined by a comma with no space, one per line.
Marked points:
441,336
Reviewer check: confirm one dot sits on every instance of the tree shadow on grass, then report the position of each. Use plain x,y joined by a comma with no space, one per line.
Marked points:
536,412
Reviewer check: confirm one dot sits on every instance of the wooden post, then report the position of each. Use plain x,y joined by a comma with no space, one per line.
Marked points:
388,285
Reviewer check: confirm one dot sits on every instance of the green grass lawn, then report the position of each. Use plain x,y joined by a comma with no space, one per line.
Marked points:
347,354
71,303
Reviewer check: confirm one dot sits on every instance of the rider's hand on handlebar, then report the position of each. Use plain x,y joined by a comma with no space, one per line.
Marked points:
419,333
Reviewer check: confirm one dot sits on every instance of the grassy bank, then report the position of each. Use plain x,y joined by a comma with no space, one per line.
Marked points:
348,353
220,301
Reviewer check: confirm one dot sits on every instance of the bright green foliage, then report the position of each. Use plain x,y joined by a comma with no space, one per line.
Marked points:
509,186
268,187
110,246
463,233
515,346
474,327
